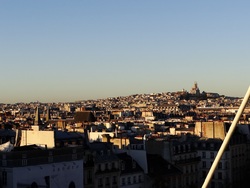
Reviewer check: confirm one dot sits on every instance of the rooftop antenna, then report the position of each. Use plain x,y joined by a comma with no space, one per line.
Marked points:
226,140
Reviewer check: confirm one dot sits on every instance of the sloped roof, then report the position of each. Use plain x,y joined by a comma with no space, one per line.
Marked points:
7,132
157,166
128,162
103,152
84,116
67,135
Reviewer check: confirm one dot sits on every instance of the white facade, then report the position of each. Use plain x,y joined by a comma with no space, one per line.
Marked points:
38,137
57,174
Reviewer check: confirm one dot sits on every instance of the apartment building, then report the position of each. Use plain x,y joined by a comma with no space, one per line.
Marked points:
31,166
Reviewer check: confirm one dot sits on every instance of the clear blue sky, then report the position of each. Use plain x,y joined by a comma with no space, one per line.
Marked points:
73,50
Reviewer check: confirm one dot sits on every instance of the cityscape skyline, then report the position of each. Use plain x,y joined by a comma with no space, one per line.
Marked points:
62,51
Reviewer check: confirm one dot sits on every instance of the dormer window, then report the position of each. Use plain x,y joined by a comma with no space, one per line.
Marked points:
123,166
211,145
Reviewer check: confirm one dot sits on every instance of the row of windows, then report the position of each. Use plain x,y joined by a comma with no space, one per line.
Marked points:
181,148
220,165
107,181
219,175
68,142
106,166
50,160
185,157
131,180
136,146
212,155
204,155
238,151
190,169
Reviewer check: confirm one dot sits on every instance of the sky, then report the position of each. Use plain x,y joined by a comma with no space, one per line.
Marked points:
65,51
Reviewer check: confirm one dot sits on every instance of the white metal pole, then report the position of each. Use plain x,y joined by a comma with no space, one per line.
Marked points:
226,140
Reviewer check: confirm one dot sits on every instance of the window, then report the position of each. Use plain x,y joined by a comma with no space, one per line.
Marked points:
4,177
192,168
220,185
212,145
123,166
139,178
89,176
24,162
74,156
226,165
129,180
110,166
123,181
100,184
114,180
4,163
107,180
219,175
204,164
211,155
134,179
204,145
203,154
187,181
220,165
204,174
50,159
212,185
